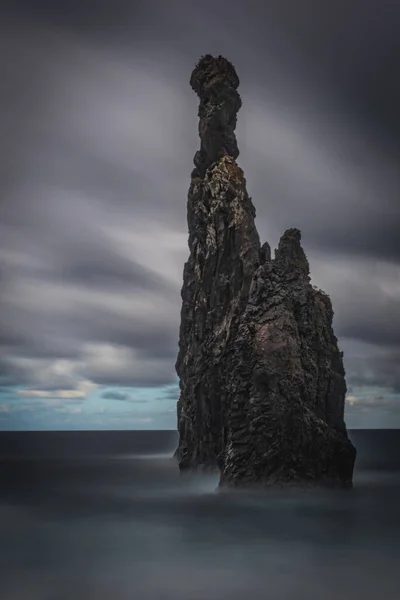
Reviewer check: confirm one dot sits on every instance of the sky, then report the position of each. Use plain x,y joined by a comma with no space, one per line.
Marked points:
98,132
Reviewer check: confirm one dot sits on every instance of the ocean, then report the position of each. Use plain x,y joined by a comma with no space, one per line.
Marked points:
105,515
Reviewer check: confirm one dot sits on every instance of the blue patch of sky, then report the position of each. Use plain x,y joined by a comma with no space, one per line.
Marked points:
140,408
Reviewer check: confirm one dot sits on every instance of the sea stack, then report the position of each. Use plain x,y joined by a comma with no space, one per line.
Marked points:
262,382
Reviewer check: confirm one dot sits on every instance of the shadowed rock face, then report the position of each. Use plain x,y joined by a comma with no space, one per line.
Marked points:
215,82
287,389
261,376
224,250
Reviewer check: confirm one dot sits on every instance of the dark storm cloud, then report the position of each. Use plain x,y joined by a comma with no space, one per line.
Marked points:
94,15
122,397
365,297
158,374
115,395
384,329
374,367
99,128
95,265
43,331
353,49
377,236
11,374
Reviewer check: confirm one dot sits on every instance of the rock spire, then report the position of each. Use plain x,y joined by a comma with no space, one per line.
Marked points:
262,386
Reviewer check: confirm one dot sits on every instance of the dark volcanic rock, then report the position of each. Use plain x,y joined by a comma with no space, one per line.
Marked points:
224,250
215,82
261,376
287,389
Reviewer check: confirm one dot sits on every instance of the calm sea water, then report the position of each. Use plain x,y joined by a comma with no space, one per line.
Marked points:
106,516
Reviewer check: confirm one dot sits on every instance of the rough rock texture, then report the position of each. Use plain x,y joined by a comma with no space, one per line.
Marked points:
261,376
215,82
224,250
287,389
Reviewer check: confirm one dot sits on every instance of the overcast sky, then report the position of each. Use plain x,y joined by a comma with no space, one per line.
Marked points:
98,128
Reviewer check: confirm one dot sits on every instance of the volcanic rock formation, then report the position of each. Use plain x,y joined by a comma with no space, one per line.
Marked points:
261,376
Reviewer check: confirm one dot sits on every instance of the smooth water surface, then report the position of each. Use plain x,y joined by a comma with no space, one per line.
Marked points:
114,520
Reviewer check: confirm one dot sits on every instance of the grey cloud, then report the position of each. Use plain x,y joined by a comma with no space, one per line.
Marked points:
91,262
344,210
373,411
93,17
115,395
152,343
346,48
171,393
122,396
374,367
364,232
100,130
11,374
35,404
123,376
365,297
384,330
366,313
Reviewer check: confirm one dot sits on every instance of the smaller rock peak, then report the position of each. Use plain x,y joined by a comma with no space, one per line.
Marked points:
292,235
265,253
290,250
213,72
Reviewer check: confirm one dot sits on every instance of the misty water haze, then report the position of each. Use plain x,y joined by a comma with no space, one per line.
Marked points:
109,517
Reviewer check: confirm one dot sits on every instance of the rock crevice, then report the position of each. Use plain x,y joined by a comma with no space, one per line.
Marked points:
262,382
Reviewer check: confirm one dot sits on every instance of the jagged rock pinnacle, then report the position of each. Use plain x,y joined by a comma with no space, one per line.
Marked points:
265,253
224,251
261,375
215,82
290,253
